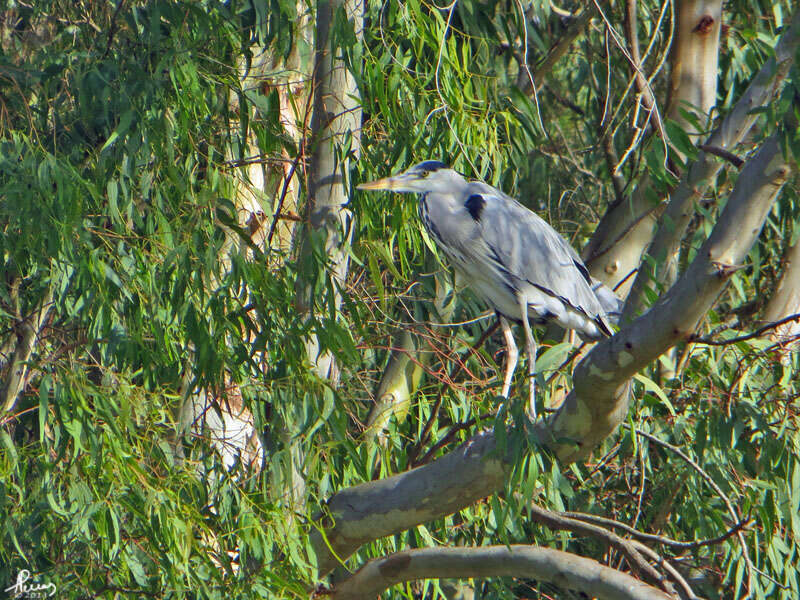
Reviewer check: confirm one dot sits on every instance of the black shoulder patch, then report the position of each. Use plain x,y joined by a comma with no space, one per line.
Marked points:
430,165
584,271
474,205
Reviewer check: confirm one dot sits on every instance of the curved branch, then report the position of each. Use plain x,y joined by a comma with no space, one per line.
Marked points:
594,408
598,402
543,564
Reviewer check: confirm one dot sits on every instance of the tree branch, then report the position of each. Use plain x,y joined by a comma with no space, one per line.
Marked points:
335,120
525,79
594,408
742,338
658,539
566,570
672,226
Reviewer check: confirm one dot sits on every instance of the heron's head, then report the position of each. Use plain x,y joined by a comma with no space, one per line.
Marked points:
428,176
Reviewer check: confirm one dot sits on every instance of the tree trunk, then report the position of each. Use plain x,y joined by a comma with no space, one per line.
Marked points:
335,133
615,250
785,302
694,59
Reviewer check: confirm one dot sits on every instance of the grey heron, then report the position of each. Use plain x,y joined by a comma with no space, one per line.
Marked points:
511,258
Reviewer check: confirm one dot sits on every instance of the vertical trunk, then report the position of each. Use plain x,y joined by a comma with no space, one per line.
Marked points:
615,251
785,302
704,170
221,416
694,59
335,135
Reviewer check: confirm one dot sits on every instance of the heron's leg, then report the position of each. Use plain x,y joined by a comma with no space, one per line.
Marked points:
530,346
511,355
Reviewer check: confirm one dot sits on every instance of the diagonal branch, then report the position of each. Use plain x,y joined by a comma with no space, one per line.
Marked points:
563,569
672,226
594,408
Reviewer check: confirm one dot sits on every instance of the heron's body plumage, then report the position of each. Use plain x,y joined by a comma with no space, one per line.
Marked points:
511,258
508,253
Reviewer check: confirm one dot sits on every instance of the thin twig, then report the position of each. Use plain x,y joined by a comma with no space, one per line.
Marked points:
448,437
660,539
742,338
558,522
722,153
416,448
713,484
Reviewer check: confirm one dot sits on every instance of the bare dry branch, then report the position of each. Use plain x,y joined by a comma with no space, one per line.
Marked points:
559,522
658,539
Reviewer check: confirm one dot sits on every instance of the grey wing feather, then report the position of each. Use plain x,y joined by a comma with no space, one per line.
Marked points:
532,251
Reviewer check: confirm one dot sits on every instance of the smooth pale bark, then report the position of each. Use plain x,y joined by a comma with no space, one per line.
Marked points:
694,60
14,366
666,244
785,301
336,121
594,408
597,404
616,248
567,571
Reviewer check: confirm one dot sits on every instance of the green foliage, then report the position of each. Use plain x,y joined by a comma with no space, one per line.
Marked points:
120,137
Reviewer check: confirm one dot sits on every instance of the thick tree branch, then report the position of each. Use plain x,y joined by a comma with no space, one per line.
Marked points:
597,403
672,226
594,408
565,570
694,59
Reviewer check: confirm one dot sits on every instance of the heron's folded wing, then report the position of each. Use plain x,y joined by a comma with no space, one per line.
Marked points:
529,249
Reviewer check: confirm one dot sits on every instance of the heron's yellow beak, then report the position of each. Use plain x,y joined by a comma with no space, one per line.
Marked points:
387,183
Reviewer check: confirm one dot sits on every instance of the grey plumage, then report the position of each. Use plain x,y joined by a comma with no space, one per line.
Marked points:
509,255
